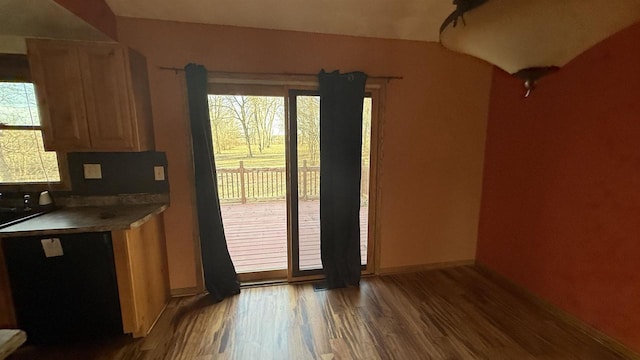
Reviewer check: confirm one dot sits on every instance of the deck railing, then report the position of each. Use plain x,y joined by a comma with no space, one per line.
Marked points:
262,184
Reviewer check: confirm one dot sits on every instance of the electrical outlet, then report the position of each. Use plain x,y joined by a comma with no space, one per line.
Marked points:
92,171
158,173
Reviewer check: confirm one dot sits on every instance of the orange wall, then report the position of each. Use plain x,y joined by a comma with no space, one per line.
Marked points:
435,122
95,12
561,197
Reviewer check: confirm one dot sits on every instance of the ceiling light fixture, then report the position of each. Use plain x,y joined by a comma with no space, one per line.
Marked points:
530,38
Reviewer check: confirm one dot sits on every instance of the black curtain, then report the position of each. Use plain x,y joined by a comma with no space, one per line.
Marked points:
341,98
220,275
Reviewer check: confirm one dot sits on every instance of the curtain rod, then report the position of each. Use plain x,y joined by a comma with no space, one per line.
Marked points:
275,74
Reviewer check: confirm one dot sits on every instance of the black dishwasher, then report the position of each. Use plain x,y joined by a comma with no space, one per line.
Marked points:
66,295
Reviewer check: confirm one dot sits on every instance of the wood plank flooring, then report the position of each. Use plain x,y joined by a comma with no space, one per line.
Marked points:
455,313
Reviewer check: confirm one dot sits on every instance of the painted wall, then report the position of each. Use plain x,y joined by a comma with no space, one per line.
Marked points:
434,132
561,196
95,12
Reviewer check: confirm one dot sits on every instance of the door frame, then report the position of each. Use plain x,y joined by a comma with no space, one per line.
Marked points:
281,85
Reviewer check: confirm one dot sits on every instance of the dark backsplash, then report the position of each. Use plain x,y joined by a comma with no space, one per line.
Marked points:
122,173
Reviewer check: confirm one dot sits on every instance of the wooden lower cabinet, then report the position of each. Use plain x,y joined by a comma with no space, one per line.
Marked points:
143,278
141,272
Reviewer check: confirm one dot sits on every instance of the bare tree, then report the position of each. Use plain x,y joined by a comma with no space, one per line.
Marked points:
223,124
309,126
366,128
241,108
255,116
24,158
265,110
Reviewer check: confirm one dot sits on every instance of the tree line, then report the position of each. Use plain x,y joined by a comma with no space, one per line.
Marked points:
257,121
22,155
243,119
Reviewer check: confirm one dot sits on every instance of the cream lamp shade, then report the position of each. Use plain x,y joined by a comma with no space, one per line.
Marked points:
530,37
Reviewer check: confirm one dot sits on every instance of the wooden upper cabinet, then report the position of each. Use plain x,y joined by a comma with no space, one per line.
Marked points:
109,104
106,94
56,71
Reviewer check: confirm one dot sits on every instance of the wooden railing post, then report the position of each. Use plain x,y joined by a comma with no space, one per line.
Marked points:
242,187
304,180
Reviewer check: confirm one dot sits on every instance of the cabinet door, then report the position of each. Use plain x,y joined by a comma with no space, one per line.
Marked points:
55,71
109,114
140,255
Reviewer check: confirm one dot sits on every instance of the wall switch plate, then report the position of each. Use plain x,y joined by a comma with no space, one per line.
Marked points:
92,171
158,173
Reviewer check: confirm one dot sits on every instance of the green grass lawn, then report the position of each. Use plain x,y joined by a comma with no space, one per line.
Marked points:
272,157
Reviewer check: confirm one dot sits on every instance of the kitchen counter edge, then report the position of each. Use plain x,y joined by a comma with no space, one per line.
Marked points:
70,220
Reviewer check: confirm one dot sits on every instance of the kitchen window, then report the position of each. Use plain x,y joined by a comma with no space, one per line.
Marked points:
23,159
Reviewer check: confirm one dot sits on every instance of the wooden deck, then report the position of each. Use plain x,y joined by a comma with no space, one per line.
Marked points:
257,235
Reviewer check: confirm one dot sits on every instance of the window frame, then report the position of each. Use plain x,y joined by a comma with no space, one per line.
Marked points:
14,68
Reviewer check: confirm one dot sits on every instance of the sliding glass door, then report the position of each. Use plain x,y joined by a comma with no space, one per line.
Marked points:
267,152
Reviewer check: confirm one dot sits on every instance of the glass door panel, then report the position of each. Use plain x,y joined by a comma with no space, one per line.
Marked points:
308,156
249,145
304,128
304,162
364,182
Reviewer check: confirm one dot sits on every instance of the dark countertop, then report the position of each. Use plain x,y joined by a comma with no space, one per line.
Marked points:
85,219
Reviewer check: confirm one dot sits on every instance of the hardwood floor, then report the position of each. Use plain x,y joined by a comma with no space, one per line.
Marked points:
455,313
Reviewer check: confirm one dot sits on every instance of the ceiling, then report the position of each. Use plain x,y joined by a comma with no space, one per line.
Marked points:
391,19
418,20
40,18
